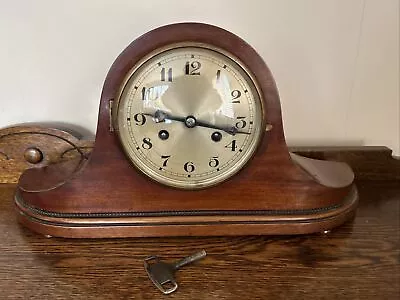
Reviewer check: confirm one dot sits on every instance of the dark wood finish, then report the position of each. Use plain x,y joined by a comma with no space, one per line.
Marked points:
359,260
208,225
273,183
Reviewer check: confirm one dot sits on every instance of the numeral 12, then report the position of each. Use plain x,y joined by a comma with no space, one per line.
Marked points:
192,68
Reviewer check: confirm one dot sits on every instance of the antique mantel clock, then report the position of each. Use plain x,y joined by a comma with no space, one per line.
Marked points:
189,142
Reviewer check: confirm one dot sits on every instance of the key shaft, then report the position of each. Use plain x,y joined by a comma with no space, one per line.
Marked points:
187,260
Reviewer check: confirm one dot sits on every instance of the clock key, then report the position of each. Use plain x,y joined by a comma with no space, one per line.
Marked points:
162,274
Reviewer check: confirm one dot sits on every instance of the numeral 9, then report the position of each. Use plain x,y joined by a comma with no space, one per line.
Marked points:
140,119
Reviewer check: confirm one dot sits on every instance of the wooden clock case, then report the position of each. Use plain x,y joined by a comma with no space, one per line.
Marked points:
103,195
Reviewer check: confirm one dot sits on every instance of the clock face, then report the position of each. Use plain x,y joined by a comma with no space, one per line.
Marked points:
189,116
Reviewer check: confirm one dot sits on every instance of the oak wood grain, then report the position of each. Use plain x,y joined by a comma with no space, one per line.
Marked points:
54,145
359,260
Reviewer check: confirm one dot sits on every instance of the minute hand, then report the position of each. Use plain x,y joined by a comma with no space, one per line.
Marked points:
230,130
160,116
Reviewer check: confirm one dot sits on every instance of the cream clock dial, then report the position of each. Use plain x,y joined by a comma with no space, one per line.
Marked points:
189,116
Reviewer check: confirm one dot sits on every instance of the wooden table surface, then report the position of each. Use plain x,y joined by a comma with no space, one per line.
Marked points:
359,260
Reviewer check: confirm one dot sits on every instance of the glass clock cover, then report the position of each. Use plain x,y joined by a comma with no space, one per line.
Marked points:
189,116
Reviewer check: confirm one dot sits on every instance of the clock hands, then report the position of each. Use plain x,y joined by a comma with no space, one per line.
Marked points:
190,122
230,130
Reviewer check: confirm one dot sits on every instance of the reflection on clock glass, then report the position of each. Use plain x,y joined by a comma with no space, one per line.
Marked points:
189,117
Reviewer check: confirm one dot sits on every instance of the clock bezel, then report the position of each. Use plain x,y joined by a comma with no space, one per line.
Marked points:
182,184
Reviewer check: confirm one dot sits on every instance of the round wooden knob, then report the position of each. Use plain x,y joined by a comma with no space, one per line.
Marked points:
33,155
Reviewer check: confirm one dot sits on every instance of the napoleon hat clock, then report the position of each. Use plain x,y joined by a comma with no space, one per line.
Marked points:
189,142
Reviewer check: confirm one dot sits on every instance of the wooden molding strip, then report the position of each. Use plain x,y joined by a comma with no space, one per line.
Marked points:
367,162
23,147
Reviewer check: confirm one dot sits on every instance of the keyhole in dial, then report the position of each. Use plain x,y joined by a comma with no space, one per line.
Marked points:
163,135
216,136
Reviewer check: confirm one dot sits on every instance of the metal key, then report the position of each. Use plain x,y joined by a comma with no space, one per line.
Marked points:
162,274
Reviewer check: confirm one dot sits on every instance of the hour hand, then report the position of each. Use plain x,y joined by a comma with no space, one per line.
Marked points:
160,116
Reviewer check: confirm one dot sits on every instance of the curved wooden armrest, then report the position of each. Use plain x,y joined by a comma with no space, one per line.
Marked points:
328,173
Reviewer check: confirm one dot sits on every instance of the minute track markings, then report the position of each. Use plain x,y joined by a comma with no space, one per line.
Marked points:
145,79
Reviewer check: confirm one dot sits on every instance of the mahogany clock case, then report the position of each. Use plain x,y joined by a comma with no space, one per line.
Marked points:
105,196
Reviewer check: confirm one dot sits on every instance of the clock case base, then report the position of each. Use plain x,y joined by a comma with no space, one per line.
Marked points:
56,216
105,196
262,223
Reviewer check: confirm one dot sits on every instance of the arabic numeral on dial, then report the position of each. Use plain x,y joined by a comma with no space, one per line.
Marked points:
147,144
218,75
169,74
214,162
140,119
144,94
189,167
165,158
192,68
235,95
232,145
241,123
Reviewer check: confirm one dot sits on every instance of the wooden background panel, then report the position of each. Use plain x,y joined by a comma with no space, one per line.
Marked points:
359,260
